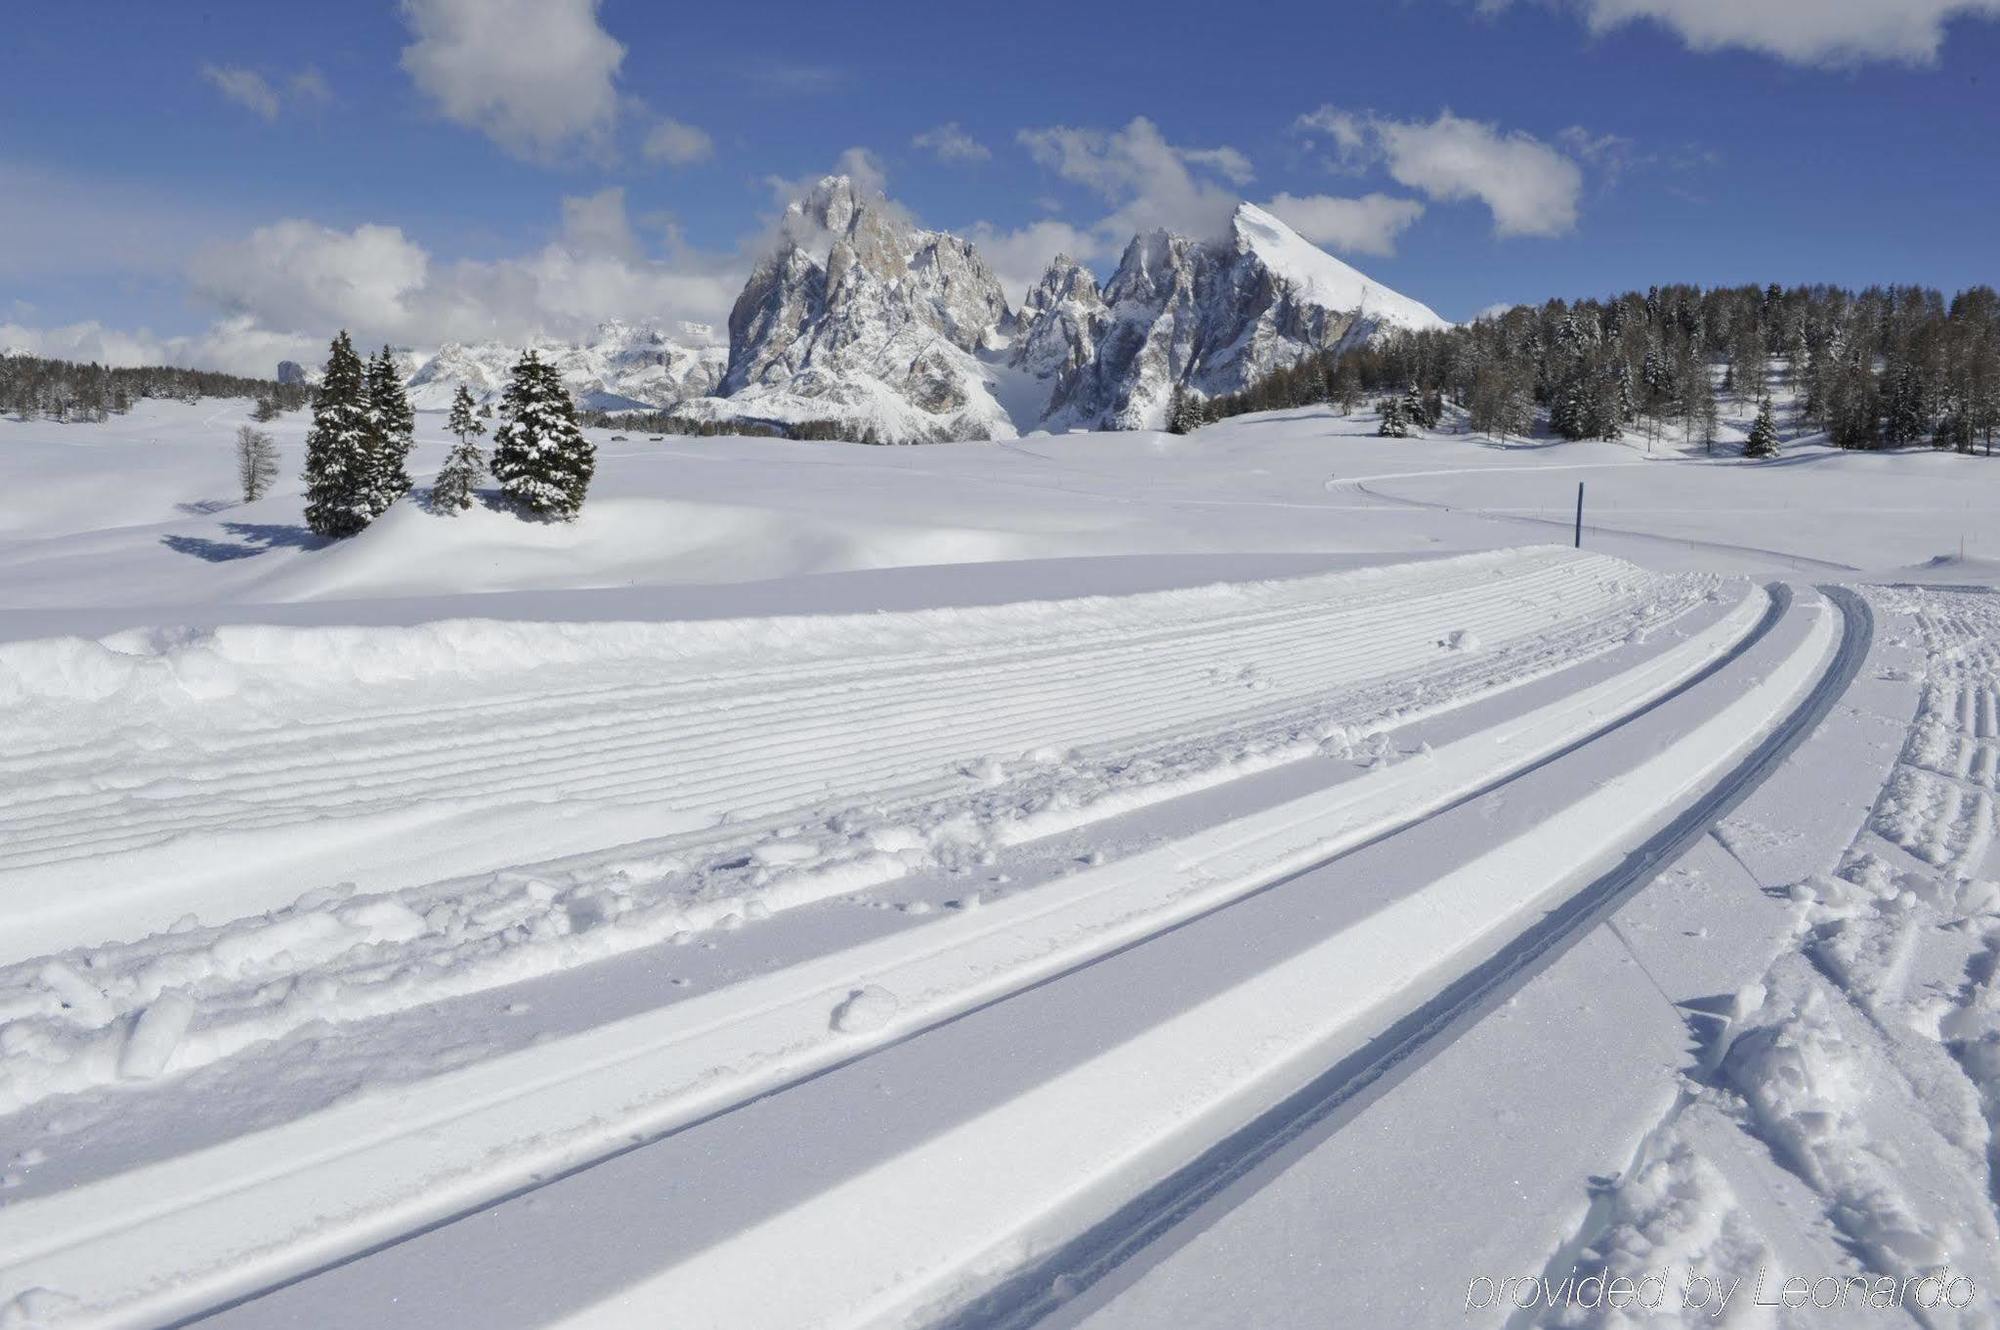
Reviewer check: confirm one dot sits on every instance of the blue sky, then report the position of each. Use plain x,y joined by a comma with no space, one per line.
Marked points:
225,182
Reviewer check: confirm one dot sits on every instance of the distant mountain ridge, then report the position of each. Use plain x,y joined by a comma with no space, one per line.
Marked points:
861,317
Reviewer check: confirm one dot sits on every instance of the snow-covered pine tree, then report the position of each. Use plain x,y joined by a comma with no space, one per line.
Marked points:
1396,423
451,492
541,459
1763,440
392,428
1414,412
337,474
463,421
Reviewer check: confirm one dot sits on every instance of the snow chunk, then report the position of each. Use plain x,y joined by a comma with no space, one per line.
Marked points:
155,1035
865,1009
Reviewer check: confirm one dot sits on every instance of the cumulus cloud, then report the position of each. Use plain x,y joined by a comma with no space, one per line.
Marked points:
535,76
1530,187
1367,225
298,274
293,283
1152,182
677,144
1019,257
952,144
1809,32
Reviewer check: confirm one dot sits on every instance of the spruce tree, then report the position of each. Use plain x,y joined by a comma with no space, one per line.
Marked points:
1396,423
463,422
451,492
541,459
337,474
1763,440
392,430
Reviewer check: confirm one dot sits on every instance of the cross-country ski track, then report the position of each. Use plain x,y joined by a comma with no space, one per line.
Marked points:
1348,811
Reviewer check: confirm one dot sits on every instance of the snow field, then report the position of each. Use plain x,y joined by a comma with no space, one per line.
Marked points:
140,775
370,1168
917,1226
333,954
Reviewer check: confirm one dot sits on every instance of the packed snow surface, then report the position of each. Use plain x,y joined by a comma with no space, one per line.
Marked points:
793,784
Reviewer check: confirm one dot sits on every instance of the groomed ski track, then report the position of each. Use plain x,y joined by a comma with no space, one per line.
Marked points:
1778,653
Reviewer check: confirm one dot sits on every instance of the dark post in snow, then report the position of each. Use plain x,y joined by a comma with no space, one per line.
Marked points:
1579,514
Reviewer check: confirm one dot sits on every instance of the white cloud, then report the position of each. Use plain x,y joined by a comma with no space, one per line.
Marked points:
533,75
952,144
235,345
1348,132
1367,225
1810,32
677,144
861,166
246,87
1225,161
1153,182
1530,187
252,91
1019,257
296,274
297,282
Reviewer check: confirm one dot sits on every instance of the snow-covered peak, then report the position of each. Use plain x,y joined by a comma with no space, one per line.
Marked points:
619,365
1321,279
1065,280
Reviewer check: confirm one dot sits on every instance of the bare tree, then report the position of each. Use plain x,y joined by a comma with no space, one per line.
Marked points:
256,462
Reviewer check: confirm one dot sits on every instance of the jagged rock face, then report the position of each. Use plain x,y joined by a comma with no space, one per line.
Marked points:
1059,322
619,366
860,316
291,372
1215,317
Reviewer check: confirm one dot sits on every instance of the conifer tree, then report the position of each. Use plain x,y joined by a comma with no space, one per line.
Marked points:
451,492
541,459
1396,423
337,475
463,422
1763,440
1416,413
392,427
256,462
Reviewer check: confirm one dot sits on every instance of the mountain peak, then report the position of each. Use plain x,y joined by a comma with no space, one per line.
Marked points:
1318,276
